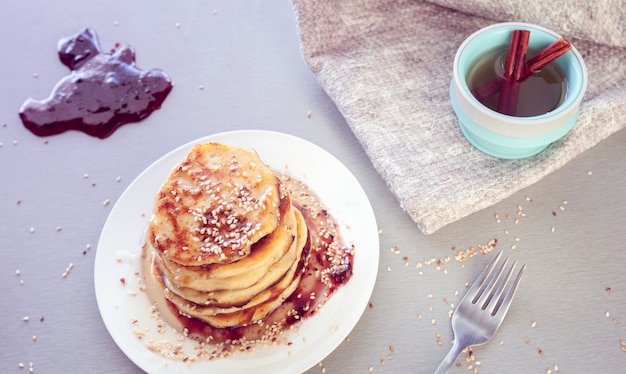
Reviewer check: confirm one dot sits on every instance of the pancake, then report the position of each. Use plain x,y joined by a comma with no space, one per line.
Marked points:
225,243
237,285
257,308
214,205
246,316
229,301
240,274
238,296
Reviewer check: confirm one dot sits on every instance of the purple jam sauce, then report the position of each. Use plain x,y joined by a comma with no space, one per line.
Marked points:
102,92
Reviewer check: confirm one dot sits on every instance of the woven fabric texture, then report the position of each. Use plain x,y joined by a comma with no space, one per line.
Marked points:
387,64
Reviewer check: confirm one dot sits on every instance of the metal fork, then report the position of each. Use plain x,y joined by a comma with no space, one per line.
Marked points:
481,311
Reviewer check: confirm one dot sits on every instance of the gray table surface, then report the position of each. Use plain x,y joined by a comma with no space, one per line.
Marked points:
238,65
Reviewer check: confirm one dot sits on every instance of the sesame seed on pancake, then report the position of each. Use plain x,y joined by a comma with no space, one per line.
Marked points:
214,205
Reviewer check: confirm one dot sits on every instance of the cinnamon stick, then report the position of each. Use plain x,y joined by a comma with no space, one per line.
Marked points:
547,55
520,57
482,93
533,65
512,55
520,68
514,67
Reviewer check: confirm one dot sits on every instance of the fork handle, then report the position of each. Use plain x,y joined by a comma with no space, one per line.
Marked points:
450,357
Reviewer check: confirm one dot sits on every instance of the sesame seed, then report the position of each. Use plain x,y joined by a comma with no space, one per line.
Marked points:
533,324
67,270
106,202
25,319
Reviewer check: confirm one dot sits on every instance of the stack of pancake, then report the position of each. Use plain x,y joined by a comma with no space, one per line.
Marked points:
228,246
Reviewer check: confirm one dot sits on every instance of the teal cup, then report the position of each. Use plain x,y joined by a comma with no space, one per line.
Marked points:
505,136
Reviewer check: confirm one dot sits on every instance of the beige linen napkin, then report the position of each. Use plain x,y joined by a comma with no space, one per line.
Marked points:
387,65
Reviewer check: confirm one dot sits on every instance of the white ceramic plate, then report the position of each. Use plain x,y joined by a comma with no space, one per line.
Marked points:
118,257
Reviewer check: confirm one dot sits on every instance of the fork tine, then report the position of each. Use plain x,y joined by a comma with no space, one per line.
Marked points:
497,295
475,291
490,290
504,304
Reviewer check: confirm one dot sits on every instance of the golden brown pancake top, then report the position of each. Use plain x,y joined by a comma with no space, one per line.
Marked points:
214,205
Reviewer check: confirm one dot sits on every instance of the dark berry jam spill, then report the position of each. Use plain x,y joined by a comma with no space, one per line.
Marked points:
102,92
